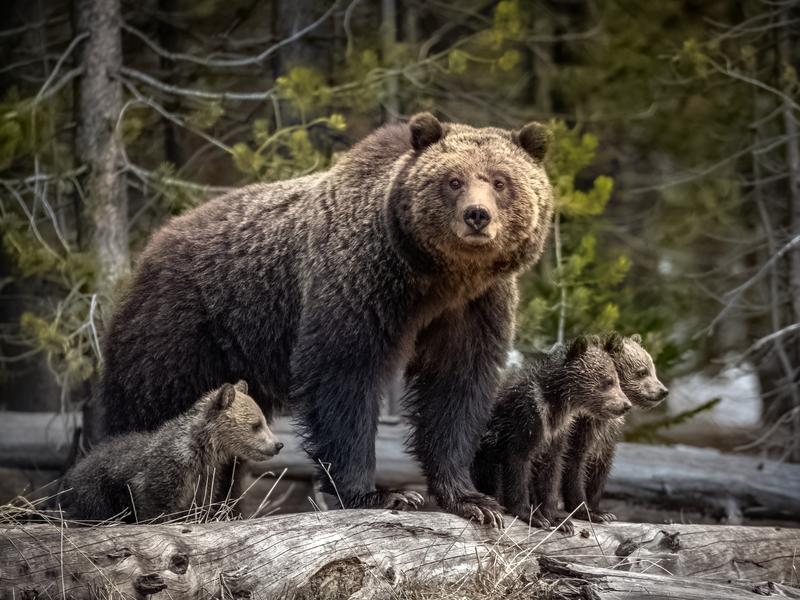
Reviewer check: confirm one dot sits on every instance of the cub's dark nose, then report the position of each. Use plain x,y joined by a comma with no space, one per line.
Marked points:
477,217
278,446
663,393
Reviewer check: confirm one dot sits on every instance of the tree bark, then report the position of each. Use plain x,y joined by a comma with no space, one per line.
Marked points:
391,103
365,554
785,35
97,143
573,580
728,485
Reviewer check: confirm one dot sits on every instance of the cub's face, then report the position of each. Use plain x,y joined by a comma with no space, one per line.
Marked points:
594,385
241,429
638,374
479,194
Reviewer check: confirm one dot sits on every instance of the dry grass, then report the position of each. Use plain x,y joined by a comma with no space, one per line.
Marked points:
44,508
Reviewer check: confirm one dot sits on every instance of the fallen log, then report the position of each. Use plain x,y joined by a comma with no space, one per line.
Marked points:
368,554
673,477
574,580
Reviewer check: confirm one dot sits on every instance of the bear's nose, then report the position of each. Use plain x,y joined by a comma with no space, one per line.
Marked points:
278,446
477,217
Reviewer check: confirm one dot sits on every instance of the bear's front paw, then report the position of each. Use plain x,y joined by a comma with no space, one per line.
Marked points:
388,499
474,506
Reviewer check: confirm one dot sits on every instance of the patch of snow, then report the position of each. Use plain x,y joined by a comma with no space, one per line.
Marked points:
737,387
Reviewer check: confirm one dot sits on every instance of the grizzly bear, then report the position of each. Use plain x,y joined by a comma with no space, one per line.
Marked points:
141,476
590,450
519,459
318,290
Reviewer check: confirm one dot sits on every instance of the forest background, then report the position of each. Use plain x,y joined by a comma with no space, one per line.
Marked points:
676,159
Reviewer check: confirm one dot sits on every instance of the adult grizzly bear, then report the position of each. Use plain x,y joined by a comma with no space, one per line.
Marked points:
318,289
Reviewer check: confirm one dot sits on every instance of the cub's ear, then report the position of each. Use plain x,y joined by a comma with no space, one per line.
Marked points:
534,138
241,386
225,397
614,343
577,347
425,130
636,338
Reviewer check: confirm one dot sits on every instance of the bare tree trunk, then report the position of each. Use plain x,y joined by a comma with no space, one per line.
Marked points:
97,109
410,24
388,40
292,16
368,553
543,63
793,166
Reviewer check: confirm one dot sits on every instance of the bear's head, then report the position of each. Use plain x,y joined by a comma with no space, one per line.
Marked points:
237,425
592,382
637,372
473,197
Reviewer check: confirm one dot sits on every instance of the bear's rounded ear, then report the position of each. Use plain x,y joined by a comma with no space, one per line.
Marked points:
226,396
636,338
425,130
534,138
241,386
577,347
614,343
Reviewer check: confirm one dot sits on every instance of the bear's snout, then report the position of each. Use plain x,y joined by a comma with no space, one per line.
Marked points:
273,449
477,217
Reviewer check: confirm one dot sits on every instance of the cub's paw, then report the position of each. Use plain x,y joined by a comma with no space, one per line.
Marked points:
561,521
595,516
602,517
474,506
528,514
387,499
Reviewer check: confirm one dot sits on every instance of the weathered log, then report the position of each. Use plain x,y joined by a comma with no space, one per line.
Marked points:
678,477
574,580
364,554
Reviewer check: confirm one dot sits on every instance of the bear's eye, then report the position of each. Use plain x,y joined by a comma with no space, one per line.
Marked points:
499,185
256,426
608,382
455,183
642,372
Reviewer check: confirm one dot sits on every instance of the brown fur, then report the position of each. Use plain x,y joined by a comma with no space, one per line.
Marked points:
146,476
592,443
520,455
319,289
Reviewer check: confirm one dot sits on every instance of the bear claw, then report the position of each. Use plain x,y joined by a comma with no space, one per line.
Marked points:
532,517
596,516
403,499
386,499
603,517
476,507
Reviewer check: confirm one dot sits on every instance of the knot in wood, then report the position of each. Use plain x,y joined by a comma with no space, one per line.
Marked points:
151,583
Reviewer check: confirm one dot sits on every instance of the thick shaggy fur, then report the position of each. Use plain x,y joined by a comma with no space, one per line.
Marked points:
590,451
319,289
536,407
146,475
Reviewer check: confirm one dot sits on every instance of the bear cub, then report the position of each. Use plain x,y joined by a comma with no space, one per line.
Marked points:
590,449
519,458
141,476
